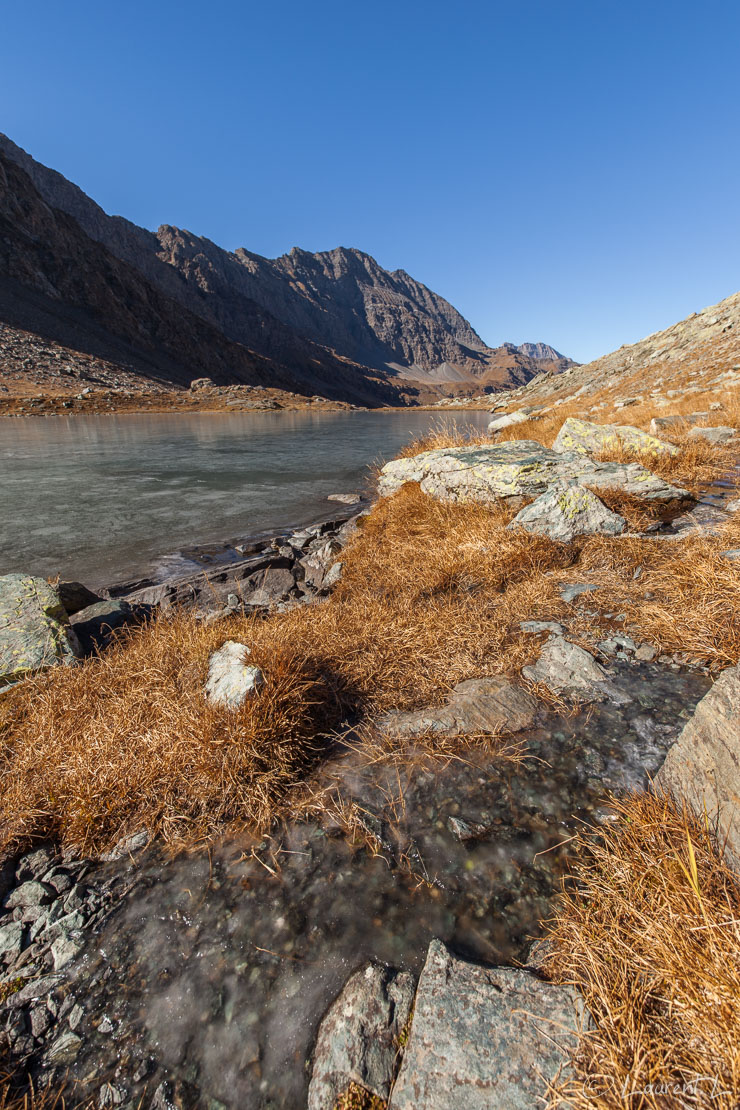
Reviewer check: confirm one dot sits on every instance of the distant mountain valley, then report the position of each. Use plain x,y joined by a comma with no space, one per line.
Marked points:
117,304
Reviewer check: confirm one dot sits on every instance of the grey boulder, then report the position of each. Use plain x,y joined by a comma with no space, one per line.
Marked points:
703,765
568,669
476,705
563,514
717,436
484,1038
358,1039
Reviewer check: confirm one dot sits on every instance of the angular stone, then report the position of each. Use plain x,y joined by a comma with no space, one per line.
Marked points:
718,436
477,705
230,680
542,626
64,949
484,1038
34,633
517,471
358,1039
703,765
563,514
345,498
74,596
11,939
65,1049
95,624
585,438
317,563
31,893
273,584
568,669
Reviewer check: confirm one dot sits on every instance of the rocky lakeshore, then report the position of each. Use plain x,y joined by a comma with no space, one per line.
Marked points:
455,680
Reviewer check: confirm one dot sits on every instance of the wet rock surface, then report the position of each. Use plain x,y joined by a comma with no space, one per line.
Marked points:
484,1037
476,705
359,1039
207,982
267,572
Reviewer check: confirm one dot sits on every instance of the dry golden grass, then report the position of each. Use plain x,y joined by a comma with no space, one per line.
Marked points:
650,935
431,594
15,1095
358,1098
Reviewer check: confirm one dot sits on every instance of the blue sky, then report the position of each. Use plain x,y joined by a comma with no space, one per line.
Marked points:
561,171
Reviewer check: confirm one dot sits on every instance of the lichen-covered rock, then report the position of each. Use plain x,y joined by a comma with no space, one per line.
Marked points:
230,679
484,1038
34,633
585,438
476,705
563,514
703,766
517,471
358,1038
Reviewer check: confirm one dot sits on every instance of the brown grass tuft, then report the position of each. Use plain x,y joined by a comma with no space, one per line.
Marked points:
650,935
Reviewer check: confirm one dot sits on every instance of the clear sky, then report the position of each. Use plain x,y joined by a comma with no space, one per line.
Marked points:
560,170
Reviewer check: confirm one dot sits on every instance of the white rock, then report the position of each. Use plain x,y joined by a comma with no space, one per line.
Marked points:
509,418
230,679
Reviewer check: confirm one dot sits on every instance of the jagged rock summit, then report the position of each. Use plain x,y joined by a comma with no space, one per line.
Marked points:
174,306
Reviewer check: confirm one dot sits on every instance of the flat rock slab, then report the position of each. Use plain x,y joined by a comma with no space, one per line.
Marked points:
517,471
484,1038
703,766
358,1039
719,435
583,437
563,514
34,633
476,705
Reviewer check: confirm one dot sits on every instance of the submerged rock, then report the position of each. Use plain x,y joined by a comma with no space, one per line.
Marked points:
583,437
484,1037
230,679
703,766
517,471
563,514
476,705
34,633
358,1038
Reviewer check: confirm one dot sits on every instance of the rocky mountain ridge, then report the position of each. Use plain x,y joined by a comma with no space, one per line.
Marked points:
334,322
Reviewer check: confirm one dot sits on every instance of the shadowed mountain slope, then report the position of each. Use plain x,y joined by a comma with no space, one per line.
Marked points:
336,322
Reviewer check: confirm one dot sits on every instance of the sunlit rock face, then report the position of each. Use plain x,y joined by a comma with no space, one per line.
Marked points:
517,471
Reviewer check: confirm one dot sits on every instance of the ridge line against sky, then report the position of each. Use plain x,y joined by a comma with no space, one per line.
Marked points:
559,173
